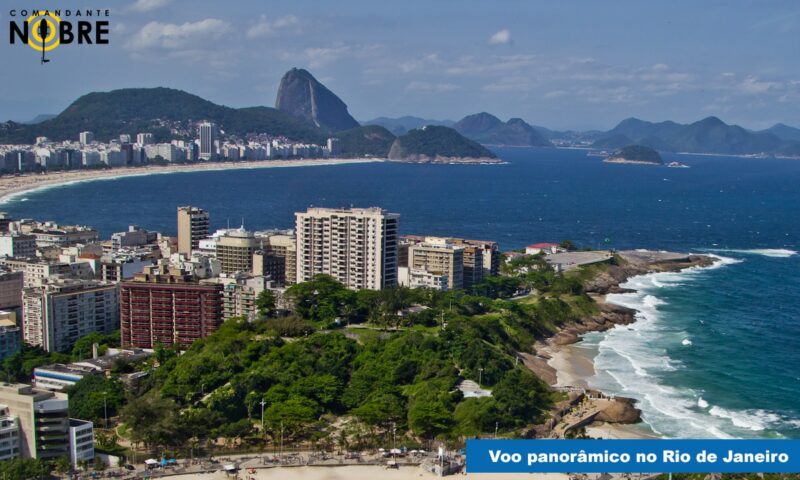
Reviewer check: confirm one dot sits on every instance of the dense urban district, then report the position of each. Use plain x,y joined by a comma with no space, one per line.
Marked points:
340,335
338,341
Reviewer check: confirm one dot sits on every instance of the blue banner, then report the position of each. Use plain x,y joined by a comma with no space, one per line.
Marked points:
633,456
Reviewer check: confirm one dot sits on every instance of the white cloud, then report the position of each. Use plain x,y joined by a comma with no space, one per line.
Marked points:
316,57
426,87
172,36
500,38
265,27
142,6
752,85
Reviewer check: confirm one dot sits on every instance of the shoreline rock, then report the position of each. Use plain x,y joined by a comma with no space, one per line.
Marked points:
623,410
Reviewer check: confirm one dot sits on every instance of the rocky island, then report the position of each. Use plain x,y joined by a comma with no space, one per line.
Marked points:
637,154
436,144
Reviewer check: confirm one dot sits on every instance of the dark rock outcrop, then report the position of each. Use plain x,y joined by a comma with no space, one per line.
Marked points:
302,95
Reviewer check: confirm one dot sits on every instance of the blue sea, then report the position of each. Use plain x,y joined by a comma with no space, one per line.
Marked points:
715,352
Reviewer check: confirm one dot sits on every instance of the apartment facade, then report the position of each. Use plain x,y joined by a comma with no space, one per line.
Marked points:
17,245
481,257
356,246
439,257
43,420
278,258
192,227
10,334
168,308
9,434
235,250
60,311
10,289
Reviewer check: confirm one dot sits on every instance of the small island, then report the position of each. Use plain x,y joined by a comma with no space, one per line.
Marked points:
435,144
637,154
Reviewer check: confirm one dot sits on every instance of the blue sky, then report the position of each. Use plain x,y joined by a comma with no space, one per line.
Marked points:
561,64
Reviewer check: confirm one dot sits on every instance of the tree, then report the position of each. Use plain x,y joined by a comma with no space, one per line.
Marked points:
474,416
152,420
265,303
381,409
429,415
521,397
93,397
82,348
568,245
294,415
321,300
23,469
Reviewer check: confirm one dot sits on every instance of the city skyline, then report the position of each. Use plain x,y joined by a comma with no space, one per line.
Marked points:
579,66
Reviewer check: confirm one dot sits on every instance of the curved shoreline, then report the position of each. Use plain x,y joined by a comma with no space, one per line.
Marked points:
12,187
562,362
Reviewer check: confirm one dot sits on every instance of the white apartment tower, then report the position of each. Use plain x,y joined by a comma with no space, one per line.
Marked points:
356,246
63,310
143,139
208,135
86,138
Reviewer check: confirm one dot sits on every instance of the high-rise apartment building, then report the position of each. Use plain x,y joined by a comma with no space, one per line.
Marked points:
9,434
10,289
356,246
62,310
42,417
235,249
143,139
277,258
86,138
10,334
439,257
17,245
168,308
192,227
208,137
481,257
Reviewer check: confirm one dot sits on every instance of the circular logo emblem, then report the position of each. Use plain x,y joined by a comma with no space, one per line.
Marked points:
44,31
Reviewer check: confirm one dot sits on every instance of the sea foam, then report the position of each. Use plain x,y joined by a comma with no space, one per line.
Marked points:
633,359
765,252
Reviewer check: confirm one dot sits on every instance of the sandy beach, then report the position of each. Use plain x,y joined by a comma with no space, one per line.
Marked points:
359,473
564,362
14,186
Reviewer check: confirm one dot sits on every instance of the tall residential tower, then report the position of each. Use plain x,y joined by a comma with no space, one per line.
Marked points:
192,227
356,246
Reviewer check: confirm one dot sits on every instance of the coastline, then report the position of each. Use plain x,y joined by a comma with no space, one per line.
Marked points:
356,472
15,186
562,361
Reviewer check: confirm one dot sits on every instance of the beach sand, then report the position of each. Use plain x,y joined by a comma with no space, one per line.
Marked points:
360,473
14,186
573,365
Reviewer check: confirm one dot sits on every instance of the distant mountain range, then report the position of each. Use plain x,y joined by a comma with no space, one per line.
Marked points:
490,130
401,125
307,111
710,135
134,110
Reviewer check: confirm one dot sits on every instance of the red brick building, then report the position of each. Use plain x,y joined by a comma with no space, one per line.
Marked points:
167,309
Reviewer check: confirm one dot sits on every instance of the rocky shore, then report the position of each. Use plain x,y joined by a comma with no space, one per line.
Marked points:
557,363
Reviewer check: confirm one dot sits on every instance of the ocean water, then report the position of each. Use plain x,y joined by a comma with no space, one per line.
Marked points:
715,351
